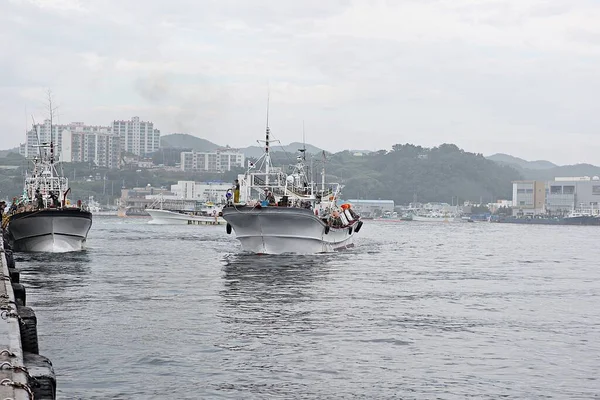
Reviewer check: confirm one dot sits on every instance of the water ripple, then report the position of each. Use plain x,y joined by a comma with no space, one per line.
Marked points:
415,310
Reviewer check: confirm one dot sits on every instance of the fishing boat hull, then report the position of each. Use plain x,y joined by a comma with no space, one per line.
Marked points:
279,230
167,217
50,230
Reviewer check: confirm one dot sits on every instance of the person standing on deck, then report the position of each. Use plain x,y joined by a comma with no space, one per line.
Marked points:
39,199
236,192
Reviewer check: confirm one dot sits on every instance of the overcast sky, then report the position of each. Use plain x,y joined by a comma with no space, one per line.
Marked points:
514,76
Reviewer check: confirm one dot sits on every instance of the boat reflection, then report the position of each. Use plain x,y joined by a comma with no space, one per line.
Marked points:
272,294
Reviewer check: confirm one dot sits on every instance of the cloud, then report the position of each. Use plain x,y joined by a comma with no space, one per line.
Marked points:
517,76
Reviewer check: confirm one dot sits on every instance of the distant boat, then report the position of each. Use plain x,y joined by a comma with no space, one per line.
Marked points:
209,215
435,217
98,211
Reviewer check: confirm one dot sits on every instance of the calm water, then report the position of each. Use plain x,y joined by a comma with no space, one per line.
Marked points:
416,310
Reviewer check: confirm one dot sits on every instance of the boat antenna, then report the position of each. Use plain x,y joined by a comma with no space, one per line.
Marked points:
267,133
323,174
303,143
51,112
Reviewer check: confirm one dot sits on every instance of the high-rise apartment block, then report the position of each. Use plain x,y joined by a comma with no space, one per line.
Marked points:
98,145
137,137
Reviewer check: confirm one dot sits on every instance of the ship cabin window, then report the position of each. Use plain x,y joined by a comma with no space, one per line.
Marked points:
568,189
596,190
556,189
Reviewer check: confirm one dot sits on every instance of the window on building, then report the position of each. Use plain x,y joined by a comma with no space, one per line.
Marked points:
556,189
520,191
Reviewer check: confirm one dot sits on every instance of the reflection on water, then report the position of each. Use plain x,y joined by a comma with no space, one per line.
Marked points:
265,293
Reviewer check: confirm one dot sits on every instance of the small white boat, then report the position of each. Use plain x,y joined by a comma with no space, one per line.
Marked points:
210,214
436,217
97,210
169,217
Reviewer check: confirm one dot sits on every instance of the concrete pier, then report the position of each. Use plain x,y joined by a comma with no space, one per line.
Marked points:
24,374
14,380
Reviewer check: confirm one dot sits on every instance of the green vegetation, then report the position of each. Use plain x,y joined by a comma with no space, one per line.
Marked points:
445,173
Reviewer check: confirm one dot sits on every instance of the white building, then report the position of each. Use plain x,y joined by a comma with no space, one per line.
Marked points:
137,137
201,191
217,161
42,133
565,194
557,197
75,142
91,144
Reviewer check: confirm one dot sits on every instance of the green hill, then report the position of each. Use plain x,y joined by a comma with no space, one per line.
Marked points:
185,141
520,163
441,173
292,148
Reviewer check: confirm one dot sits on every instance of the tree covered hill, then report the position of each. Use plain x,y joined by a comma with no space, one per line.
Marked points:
442,173
183,140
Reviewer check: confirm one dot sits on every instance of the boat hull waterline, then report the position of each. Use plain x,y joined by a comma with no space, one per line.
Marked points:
166,217
55,231
274,230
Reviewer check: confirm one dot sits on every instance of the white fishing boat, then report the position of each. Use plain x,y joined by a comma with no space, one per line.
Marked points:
436,217
210,214
272,212
97,210
44,220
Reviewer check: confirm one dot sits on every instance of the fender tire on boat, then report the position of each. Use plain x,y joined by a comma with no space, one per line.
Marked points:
350,231
10,258
28,327
20,294
15,275
228,229
358,226
327,229
43,379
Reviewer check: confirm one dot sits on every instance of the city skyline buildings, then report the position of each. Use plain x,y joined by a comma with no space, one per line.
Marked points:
100,145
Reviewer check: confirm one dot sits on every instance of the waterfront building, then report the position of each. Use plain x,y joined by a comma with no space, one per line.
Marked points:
137,137
216,161
201,191
557,197
529,197
566,194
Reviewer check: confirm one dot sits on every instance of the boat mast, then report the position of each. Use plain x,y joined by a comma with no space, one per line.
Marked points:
323,174
267,155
